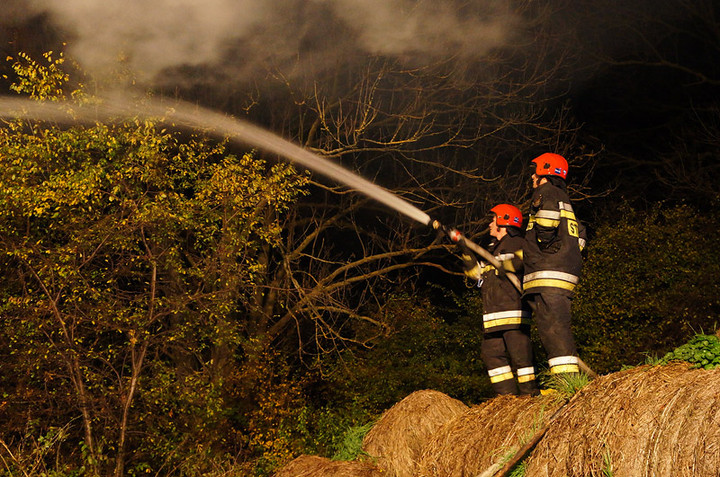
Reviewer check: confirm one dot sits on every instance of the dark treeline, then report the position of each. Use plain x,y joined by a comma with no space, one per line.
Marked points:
175,305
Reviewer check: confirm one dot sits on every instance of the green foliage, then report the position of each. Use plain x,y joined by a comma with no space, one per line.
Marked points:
567,384
36,454
702,351
424,352
40,81
607,469
520,470
351,446
328,425
649,281
277,417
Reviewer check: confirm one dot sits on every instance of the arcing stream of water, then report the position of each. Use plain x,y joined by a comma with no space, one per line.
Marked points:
194,117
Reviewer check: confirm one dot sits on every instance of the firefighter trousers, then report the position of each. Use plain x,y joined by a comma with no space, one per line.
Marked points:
552,316
505,351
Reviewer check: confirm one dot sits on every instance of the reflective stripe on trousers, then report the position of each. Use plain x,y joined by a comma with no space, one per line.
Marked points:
526,374
500,374
511,317
564,364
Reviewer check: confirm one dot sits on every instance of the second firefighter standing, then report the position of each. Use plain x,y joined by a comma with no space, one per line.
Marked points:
552,261
506,347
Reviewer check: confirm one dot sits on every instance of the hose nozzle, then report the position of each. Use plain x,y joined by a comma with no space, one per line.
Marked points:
452,233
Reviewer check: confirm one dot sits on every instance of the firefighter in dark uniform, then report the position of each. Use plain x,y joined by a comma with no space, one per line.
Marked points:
551,257
506,347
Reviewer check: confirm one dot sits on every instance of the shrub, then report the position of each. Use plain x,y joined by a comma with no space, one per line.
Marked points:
431,347
650,282
702,351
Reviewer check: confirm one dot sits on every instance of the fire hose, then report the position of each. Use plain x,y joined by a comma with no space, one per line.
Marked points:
456,236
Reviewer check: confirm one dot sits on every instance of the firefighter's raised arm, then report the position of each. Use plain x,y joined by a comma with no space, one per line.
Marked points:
471,267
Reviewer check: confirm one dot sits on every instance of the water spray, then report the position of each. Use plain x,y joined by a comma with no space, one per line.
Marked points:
194,117
187,115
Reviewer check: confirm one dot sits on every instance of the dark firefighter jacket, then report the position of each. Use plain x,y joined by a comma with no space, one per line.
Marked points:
502,305
553,241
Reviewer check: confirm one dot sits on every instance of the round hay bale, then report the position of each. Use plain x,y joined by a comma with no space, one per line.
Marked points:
398,438
647,421
314,466
474,441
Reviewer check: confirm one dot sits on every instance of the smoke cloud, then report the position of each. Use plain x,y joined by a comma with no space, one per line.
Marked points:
153,36
402,27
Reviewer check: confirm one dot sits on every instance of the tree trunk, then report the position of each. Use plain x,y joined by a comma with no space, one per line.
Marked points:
137,362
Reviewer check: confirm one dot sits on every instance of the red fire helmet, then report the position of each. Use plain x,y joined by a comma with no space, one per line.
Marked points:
507,215
551,164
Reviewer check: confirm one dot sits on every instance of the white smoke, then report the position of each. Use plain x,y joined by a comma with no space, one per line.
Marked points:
152,36
431,27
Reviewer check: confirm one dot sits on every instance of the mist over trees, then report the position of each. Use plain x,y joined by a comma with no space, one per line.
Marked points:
176,303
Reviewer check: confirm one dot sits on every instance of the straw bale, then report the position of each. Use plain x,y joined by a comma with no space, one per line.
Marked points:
313,466
482,436
398,438
647,421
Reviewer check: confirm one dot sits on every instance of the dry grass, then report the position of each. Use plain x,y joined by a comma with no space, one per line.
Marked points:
484,435
648,421
397,440
313,466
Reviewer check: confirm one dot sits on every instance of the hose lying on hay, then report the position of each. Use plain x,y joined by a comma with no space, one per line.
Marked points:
479,438
313,466
400,435
647,421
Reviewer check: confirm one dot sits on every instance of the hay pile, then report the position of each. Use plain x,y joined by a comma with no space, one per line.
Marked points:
399,437
313,466
473,441
647,421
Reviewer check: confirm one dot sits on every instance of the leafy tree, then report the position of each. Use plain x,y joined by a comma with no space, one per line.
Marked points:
132,256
